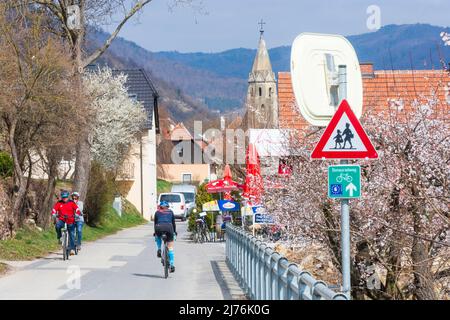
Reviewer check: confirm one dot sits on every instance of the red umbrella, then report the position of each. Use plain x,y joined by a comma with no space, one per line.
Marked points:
223,185
254,186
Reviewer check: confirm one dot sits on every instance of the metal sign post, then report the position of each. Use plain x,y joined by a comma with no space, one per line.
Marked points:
345,206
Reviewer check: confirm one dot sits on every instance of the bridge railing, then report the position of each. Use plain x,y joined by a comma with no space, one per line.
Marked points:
266,275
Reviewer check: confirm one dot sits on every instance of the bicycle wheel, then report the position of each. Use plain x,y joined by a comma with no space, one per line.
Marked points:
67,246
205,235
166,262
64,245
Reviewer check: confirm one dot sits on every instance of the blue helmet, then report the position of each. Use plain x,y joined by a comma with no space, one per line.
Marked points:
65,194
164,204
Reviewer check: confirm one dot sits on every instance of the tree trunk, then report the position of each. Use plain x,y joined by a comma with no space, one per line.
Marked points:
82,167
47,201
394,251
423,277
83,150
20,187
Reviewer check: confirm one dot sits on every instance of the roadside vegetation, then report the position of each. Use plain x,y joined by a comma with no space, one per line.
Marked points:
163,186
3,268
31,243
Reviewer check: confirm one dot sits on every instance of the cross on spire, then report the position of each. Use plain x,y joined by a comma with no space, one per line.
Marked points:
261,23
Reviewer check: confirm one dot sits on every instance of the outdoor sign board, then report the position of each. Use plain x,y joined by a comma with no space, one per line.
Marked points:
263,219
344,181
227,205
246,211
211,206
259,209
344,138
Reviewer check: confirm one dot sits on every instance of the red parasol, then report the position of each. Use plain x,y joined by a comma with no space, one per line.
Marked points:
223,185
254,186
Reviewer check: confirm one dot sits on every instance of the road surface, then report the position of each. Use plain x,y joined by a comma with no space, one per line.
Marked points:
124,266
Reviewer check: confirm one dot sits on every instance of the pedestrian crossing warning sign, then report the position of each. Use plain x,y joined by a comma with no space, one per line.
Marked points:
344,138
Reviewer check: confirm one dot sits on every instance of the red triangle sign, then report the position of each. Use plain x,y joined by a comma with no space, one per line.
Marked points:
344,138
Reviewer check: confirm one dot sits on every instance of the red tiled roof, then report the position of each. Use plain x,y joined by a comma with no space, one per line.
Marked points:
379,90
180,133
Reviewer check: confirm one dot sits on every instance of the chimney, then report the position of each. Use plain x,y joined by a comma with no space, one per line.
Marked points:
367,70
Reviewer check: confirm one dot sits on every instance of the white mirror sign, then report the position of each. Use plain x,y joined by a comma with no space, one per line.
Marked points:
315,60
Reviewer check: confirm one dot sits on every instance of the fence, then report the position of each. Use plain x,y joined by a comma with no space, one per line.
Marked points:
266,275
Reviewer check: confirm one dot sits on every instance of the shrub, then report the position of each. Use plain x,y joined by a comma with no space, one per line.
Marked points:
100,193
6,165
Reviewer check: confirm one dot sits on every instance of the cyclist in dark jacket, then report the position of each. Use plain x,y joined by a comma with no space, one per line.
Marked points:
165,224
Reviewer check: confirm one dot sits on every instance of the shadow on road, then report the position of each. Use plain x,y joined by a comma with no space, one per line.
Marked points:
228,285
148,275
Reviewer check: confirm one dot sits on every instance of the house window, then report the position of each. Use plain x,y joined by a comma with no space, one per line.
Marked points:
186,178
180,149
260,92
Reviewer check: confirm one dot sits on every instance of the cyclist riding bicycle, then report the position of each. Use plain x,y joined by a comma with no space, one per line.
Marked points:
165,224
64,211
79,220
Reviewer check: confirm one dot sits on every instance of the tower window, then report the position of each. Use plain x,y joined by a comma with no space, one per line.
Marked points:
251,92
270,92
263,109
260,91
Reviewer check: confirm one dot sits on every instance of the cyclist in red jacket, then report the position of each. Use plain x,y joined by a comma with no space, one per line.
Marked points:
64,211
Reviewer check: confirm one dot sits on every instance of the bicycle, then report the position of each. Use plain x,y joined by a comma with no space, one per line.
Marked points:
165,255
344,177
201,231
65,241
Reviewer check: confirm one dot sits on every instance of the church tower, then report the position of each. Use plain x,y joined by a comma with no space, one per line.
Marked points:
262,97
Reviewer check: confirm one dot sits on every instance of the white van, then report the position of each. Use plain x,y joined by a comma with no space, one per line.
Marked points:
177,204
189,192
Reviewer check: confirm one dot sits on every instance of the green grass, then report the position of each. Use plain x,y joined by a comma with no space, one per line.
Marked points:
163,186
31,244
3,268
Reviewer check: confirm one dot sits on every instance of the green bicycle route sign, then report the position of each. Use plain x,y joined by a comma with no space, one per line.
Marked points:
344,182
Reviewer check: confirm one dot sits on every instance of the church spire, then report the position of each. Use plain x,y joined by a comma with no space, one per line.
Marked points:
262,98
262,67
262,59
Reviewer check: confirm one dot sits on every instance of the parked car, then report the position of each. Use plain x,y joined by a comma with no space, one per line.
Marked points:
189,192
177,203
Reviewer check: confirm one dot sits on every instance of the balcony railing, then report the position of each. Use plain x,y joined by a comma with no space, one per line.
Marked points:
126,172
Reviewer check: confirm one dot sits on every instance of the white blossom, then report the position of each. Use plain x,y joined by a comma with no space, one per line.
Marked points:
118,117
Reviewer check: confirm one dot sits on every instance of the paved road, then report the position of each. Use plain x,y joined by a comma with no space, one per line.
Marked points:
124,266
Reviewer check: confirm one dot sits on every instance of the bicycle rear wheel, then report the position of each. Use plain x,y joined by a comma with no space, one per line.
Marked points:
166,261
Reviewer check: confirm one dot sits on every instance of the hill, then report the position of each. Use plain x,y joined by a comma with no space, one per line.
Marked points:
219,80
173,102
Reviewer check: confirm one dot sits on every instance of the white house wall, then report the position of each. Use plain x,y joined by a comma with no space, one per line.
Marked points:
148,174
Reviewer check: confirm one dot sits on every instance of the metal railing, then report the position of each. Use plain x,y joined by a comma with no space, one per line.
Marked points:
126,171
264,274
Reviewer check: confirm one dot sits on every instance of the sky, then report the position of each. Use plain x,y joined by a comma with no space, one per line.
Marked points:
218,25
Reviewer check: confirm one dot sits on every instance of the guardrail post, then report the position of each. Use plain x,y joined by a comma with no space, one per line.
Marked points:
280,276
268,274
289,280
302,287
257,272
262,268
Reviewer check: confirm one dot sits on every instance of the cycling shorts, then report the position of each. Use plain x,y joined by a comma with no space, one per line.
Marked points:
165,228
